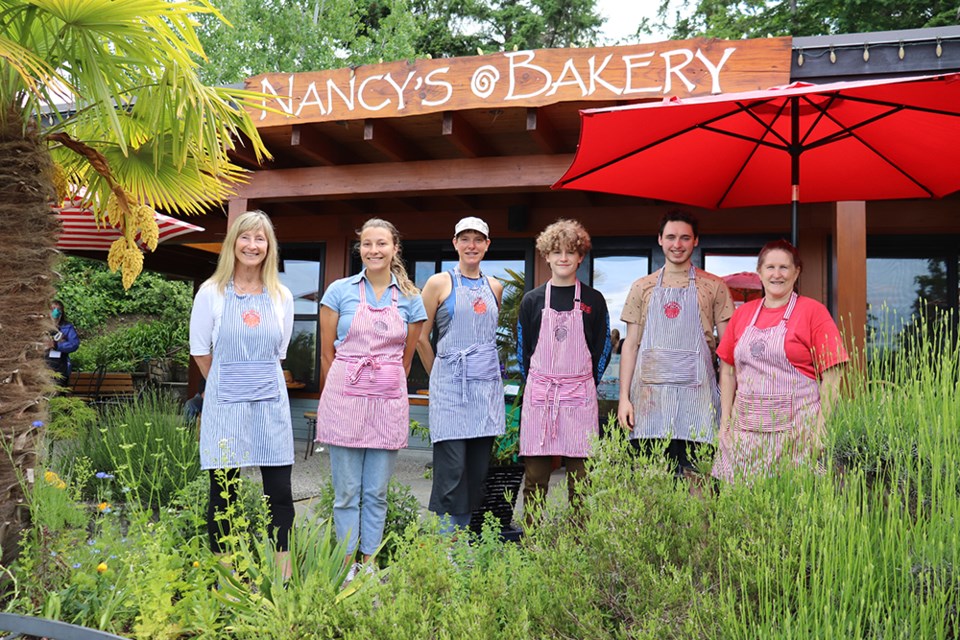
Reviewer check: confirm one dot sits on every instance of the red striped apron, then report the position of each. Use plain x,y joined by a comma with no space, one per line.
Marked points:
560,414
775,407
364,401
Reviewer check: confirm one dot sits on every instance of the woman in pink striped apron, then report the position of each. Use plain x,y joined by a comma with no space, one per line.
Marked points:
779,374
560,413
369,326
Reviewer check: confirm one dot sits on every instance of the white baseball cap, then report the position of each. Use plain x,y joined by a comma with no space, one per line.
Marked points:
471,224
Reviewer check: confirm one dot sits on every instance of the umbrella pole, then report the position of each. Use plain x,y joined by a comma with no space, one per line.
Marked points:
793,220
794,166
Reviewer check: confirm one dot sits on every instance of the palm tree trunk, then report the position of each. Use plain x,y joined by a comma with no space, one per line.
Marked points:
28,235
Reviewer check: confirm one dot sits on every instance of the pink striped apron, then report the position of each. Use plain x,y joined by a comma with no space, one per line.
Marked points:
775,407
559,414
364,401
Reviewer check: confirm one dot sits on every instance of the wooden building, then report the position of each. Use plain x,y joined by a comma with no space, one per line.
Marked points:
426,142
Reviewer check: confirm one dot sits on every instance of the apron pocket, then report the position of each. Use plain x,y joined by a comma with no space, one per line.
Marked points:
766,413
388,381
571,394
247,382
670,366
483,365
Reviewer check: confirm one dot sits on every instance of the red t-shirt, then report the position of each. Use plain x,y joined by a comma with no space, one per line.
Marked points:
811,333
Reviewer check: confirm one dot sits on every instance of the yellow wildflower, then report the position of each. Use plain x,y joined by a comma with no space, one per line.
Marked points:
103,506
102,567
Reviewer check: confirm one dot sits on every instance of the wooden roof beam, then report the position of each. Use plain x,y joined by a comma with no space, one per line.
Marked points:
464,137
243,155
543,132
308,144
387,141
406,179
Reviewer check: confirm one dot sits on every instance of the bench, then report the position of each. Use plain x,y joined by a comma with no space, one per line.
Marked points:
102,386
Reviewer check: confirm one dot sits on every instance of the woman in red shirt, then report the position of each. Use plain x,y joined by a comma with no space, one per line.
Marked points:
779,373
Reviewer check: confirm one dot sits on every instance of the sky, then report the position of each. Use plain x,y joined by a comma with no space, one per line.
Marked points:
623,16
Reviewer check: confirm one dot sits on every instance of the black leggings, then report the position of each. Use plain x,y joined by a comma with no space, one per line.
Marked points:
276,486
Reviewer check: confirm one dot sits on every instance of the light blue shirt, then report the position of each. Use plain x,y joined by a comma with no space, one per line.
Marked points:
343,296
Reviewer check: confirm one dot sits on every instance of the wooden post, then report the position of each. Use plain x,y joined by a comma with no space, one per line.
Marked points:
235,208
850,272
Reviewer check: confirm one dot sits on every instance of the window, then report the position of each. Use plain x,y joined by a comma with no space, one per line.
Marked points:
301,270
911,281
611,268
743,288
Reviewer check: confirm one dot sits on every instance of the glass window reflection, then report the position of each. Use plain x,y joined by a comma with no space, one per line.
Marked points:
901,291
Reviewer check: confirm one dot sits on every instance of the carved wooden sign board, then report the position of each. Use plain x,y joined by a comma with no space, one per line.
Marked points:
524,79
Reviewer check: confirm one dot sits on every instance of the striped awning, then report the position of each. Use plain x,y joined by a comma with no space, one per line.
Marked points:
81,233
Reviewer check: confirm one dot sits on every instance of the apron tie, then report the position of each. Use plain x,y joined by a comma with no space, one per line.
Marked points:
358,364
458,363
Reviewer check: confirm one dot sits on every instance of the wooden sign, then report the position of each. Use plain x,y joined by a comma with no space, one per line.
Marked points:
524,79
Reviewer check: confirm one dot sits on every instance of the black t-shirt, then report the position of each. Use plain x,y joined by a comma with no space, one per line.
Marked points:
596,323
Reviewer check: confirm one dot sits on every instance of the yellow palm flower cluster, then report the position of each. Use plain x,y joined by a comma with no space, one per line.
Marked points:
134,219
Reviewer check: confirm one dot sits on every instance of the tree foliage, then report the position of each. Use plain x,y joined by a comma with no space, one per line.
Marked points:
303,35
308,35
736,19
462,27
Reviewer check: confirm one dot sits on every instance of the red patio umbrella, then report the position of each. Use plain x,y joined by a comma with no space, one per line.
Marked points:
81,233
866,140
744,286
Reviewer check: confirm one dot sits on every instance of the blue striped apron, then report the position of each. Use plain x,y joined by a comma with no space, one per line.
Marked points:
466,390
674,391
246,412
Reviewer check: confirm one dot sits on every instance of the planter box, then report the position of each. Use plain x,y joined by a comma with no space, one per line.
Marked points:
501,480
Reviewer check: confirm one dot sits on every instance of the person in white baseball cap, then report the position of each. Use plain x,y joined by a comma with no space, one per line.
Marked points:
466,389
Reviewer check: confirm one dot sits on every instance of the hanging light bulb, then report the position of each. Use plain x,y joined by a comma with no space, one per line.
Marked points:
800,58
939,48
901,52
866,53
833,56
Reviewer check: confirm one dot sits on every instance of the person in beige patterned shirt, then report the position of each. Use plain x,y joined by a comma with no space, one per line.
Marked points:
675,318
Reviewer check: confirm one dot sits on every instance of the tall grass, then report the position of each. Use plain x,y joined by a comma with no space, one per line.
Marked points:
147,445
870,549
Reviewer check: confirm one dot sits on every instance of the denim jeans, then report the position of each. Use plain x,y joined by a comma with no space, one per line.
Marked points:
360,478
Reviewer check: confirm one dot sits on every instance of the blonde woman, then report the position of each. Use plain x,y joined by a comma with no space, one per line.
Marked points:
369,327
240,327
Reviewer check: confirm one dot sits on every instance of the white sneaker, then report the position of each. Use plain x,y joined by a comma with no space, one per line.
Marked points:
355,568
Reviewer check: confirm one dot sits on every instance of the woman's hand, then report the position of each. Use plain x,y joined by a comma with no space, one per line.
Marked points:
625,414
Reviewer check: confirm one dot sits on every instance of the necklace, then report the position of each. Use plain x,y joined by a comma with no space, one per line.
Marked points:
248,288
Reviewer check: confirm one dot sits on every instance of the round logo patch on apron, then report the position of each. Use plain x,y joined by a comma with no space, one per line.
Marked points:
560,333
671,310
757,348
380,326
479,306
251,318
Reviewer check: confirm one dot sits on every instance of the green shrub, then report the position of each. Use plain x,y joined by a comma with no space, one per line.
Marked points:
69,418
146,444
126,347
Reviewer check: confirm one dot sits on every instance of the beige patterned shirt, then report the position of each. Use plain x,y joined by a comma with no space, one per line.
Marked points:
716,305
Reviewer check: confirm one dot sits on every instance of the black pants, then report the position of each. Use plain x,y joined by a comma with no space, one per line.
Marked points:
277,488
459,471
681,455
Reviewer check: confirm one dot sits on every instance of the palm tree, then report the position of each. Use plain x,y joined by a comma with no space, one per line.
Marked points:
99,98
